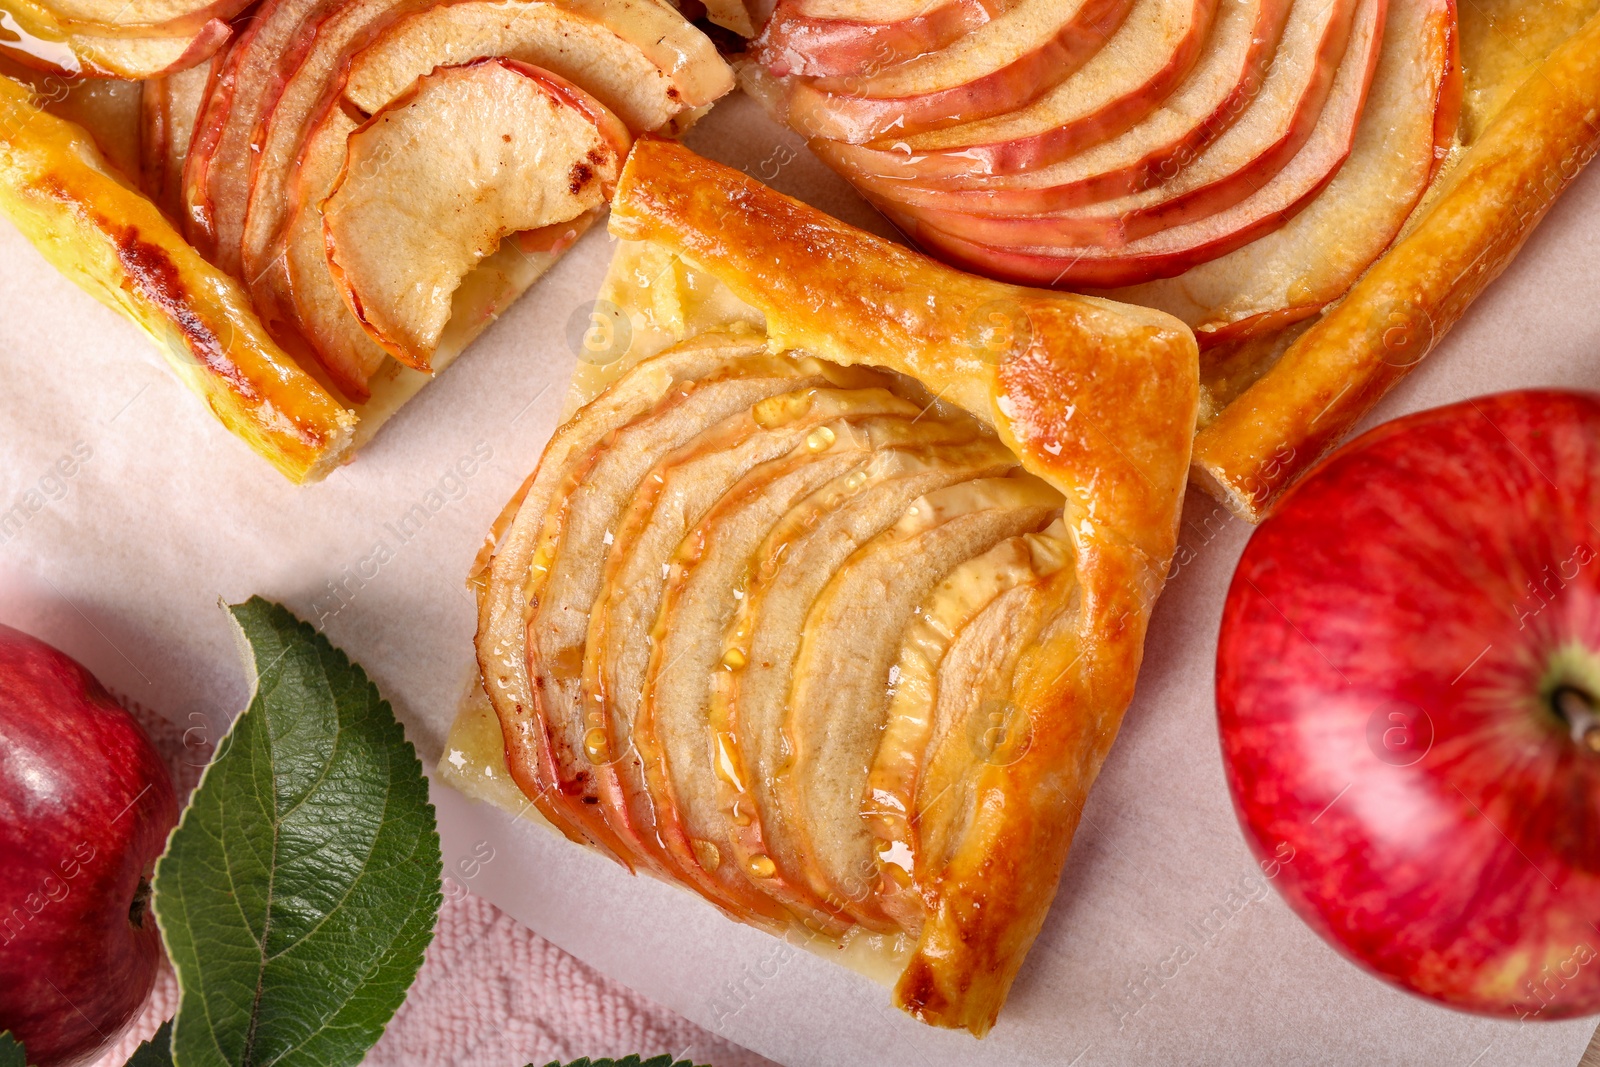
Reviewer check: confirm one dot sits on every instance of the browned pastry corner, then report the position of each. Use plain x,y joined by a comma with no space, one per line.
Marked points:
59,190
721,718
1481,214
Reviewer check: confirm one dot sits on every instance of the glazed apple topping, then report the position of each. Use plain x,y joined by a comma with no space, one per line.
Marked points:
1186,135
512,147
721,573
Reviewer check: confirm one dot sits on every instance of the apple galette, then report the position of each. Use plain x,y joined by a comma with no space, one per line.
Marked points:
365,184
826,600
1237,163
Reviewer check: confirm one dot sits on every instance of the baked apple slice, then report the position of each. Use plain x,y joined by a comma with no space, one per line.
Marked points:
838,699
512,147
1243,48
709,579
1296,271
573,542
754,452
679,759
1128,79
37,37
169,111
1036,252
637,57
525,548
1238,164
147,18
951,654
839,38
222,151
787,572
1002,66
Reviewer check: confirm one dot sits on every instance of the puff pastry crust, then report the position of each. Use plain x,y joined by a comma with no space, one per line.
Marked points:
1530,129
1089,405
63,195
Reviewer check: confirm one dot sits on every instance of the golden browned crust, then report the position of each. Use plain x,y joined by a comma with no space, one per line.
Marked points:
1098,398
111,240
1468,231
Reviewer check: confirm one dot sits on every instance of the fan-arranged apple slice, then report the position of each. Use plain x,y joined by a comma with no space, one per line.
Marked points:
950,660
758,453
830,38
1256,148
513,147
38,35
1226,86
1296,271
703,582
1125,81
1005,64
223,149
838,700
1414,69
170,109
1250,181
637,58
713,577
147,18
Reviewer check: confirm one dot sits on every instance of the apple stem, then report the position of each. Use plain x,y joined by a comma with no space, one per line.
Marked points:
1577,708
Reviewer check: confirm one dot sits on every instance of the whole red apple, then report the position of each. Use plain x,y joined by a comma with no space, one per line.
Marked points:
1407,682
85,808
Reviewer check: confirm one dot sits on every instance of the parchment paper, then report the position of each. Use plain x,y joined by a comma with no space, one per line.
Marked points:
127,513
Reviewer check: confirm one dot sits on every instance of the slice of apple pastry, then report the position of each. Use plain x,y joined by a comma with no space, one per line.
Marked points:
827,598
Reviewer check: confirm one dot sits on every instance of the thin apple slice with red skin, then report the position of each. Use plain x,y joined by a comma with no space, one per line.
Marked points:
1312,261
216,174
727,493
825,40
958,636
748,451
312,76
638,58
681,759
335,338
1243,47
1237,165
136,58
839,696
512,578
170,111
1007,63
787,572
592,496
1123,83
529,148
1171,252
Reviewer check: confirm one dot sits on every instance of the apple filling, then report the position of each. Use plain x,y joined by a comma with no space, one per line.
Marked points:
746,626
435,133
1237,163
526,149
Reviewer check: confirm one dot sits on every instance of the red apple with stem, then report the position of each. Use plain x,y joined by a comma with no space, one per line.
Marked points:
1407,682
85,808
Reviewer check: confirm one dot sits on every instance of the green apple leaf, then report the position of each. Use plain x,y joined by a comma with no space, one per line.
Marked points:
627,1061
157,1052
11,1053
297,895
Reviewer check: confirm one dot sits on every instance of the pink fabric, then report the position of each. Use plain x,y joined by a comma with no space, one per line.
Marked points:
491,993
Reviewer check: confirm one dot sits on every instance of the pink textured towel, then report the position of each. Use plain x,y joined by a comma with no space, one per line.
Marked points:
491,993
